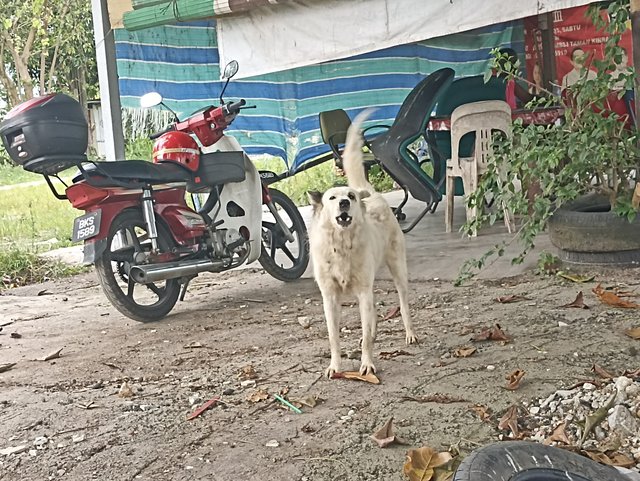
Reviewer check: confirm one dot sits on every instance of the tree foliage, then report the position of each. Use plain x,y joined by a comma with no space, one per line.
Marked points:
46,46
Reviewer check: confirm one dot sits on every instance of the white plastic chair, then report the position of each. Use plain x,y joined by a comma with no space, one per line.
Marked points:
482,118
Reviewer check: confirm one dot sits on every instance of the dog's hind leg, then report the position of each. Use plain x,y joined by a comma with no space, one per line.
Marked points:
369,323
396,262
332,312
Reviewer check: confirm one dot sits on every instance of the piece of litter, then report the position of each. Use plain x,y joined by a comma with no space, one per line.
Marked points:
272,444
203,408
53,355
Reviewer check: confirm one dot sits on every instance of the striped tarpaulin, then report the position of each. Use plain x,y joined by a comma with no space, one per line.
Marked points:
181,63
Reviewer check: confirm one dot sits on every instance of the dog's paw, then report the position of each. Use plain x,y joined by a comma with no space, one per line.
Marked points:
411,338
367,368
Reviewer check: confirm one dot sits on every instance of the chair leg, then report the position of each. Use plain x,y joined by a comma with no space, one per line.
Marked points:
397,211
470,182
427,209
448,213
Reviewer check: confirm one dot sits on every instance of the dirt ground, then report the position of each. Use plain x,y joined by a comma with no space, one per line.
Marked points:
83,429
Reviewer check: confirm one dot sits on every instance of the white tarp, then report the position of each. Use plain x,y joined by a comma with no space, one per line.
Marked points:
308,32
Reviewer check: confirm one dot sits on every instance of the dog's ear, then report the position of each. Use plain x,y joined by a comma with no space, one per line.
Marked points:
315,199
364,194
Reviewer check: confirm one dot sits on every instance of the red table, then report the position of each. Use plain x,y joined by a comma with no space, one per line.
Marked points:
539,116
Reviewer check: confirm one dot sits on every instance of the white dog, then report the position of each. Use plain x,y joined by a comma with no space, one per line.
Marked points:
353,232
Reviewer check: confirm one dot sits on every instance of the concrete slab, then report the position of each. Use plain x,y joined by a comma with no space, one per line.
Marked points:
432,253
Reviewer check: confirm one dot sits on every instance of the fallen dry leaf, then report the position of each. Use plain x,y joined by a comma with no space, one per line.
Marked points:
494,333
436,398
514,379
510,420
355,375
558,435
309,401
511,298
257,396
421,464
633,333
611,459
194,345
386,355
247,373
578,302
384,436
464,351
602,372
391,313
53,355
575,277
465,330
483,412
612,299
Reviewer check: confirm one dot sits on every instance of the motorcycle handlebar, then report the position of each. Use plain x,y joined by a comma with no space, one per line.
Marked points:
234,107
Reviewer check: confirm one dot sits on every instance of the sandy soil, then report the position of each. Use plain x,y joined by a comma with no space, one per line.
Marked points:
245,318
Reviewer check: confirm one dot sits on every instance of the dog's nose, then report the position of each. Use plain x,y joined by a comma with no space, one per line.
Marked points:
344,203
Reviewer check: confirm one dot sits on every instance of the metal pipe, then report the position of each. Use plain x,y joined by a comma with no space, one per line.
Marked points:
145,274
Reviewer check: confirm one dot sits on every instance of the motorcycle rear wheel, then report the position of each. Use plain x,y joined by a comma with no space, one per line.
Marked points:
284,260
140,302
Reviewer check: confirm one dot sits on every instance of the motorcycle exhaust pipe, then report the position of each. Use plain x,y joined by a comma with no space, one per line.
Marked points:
146,274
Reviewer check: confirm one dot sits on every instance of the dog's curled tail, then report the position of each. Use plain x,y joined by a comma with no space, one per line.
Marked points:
352,158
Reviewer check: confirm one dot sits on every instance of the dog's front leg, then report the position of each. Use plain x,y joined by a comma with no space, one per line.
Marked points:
369,327
332,312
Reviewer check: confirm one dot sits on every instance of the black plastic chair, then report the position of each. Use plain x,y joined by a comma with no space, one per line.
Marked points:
334,125
391,149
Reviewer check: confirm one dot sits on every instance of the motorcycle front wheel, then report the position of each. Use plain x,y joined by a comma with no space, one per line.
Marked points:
283,259
128,239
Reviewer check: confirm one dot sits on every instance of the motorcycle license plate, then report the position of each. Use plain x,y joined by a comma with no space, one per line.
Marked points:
86,226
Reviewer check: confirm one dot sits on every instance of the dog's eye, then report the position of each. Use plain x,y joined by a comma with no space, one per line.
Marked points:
333,197
352,196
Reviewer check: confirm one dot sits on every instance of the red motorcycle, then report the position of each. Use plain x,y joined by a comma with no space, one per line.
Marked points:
147,238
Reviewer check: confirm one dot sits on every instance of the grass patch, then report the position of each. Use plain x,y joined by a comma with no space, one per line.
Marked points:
10,174
22,267
31,217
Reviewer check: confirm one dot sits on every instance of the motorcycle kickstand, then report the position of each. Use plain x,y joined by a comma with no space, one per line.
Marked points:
280,222
183,289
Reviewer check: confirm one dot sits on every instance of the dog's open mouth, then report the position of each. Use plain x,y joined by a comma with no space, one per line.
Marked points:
344,219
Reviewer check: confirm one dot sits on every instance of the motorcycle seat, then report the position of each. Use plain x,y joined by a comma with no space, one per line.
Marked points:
134,173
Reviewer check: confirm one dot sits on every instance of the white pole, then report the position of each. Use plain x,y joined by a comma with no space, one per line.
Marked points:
108,78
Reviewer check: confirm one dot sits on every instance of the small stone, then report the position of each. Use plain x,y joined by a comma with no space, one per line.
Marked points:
248,383
632,390
33,452
307,301
534,409
125,390
351,412
622,421
272,443
491,367
587,386
562,324
40,442
228,391
78,438
61,472
304,321
193,400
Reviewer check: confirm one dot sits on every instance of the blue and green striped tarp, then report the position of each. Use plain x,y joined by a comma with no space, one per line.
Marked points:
181,63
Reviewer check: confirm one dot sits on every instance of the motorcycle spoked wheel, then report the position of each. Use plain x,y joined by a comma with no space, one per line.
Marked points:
284,260
140,302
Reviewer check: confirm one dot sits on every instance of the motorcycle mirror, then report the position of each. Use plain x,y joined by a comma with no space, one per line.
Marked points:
229,71
150,100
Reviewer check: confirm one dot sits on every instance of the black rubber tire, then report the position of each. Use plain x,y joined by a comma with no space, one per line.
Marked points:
272,236
529,461
167,295
586,231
